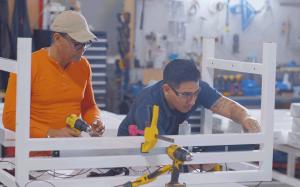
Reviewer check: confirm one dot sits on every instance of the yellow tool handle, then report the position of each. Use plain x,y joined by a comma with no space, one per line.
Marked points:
150,133
147,178
154,117
71,120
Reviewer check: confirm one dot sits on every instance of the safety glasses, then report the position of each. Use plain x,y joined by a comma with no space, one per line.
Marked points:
76,45
186,95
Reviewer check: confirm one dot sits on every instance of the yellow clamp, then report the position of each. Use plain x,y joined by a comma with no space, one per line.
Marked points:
151,133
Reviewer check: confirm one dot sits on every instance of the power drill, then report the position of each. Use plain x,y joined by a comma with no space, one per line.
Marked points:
76,122
178,155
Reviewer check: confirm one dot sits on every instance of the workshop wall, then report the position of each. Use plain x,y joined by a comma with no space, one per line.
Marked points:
102,16
274,20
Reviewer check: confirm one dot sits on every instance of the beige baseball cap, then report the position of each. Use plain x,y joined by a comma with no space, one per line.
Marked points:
74,24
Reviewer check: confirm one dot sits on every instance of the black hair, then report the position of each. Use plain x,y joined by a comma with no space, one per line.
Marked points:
180,70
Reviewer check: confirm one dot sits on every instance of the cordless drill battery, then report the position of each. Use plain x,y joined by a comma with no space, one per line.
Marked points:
76,122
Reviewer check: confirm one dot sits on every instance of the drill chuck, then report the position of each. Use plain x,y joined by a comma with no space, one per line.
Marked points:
76,122
182,154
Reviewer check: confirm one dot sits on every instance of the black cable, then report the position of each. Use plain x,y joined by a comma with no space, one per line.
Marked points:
66,176
53,175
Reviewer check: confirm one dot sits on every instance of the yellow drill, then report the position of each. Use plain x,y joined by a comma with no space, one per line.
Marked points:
178,156
76,122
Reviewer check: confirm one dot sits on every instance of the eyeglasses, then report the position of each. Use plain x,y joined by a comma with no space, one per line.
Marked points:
186,95
76,45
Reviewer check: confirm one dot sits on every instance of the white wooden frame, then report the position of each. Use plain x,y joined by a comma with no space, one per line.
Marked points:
24,144
292,155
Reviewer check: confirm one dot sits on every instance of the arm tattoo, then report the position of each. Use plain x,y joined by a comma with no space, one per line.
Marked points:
230,109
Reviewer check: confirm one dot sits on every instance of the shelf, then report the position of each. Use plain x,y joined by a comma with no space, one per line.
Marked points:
97,57
288,69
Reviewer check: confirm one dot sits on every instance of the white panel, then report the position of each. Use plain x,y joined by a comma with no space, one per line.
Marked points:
145,160
285,179
8,65
237,66
135,142
23,109
207,75
268,104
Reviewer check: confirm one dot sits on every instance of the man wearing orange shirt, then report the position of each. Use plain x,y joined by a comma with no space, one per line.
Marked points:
60,82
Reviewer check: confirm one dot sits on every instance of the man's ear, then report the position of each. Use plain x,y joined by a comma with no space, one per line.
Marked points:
56,36
166,88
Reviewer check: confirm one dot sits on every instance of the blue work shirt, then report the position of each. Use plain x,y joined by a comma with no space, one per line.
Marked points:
168,119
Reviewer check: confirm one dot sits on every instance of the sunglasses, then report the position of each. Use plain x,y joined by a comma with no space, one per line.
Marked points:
76,45
185,95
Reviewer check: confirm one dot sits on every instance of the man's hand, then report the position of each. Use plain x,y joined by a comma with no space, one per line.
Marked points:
97,128
64,132
251,125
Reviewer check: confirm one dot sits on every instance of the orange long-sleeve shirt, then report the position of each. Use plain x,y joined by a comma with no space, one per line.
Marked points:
55,94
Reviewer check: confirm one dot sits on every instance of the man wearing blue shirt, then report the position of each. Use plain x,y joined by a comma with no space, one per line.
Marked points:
179,94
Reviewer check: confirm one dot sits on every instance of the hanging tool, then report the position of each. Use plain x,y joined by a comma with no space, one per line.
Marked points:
247,13
192,11
238,85
227,17
178,156
235,44
142,15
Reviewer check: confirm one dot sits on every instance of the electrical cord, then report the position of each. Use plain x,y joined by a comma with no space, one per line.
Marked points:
66,176
57,175
81,172
110,172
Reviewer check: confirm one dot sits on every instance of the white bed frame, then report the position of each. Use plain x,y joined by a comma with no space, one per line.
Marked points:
25,164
